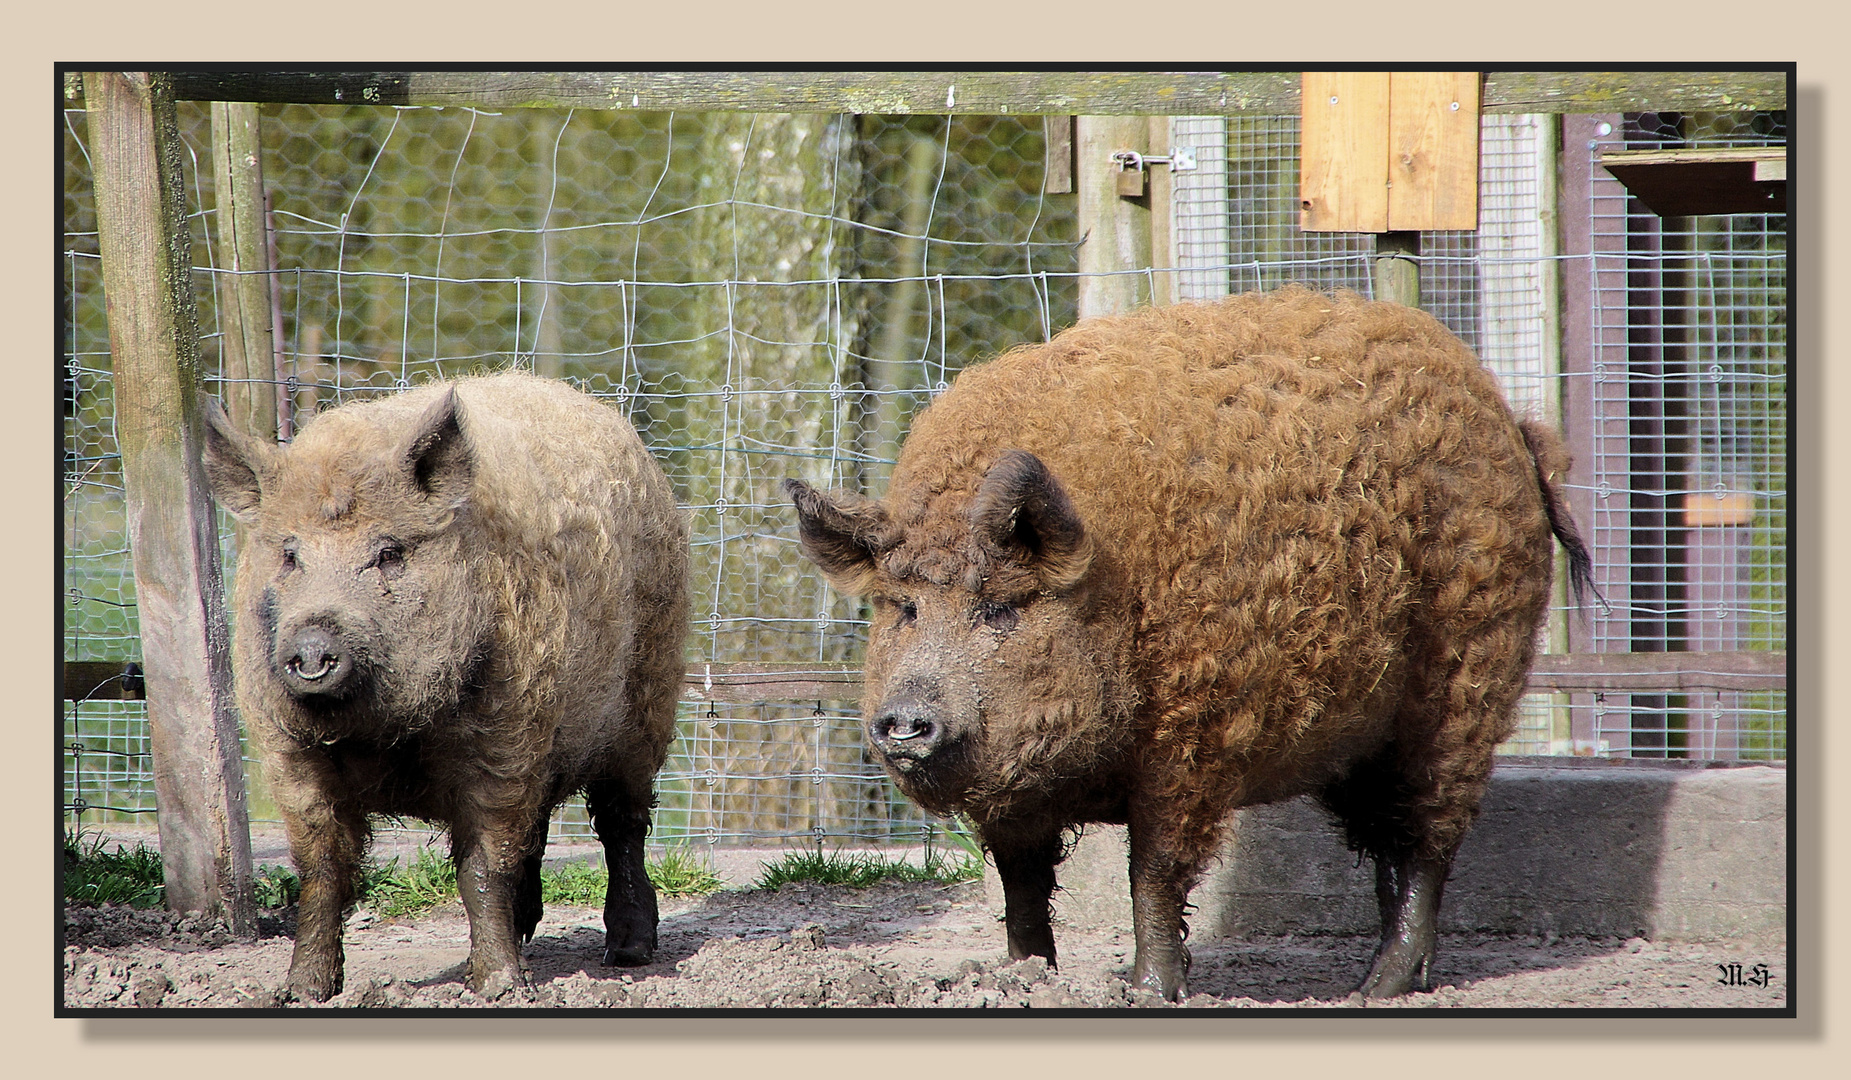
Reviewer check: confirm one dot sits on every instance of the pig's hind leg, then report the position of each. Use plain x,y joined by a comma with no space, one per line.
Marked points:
1407,890
630,912
1391,818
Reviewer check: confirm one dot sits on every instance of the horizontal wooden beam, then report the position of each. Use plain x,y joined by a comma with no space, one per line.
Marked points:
751,684
1092,93
1671,672
1664,672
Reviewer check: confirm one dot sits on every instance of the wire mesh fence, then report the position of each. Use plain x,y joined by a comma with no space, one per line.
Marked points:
777,295
1688,433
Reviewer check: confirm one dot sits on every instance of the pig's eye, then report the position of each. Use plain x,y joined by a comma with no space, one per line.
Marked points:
908,612
998,616
289,555
390,560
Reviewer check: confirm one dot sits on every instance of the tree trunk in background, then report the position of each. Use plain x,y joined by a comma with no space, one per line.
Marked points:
772,186
896,367
540,300
244,256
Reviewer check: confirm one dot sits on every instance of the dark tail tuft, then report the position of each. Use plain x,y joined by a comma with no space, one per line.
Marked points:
1546,453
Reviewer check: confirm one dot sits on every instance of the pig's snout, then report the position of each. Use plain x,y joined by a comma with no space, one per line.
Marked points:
907,732
316,664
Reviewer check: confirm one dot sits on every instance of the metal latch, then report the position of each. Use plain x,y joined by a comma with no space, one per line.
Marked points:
1133,167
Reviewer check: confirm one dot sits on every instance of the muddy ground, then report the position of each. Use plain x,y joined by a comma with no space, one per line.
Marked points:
919,946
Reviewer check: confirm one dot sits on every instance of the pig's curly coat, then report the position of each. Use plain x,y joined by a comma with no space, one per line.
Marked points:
1328,538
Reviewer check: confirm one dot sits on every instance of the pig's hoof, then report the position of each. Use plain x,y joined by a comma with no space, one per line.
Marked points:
304,987
496,986
1398,971
630,944
629,955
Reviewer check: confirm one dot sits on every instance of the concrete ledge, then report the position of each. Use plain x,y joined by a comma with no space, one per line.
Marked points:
1663,850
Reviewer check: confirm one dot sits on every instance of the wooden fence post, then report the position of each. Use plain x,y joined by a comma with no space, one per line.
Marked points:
1397,274
1115,228
154,341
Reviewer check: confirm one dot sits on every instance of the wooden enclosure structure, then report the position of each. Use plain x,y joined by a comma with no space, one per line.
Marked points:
144,246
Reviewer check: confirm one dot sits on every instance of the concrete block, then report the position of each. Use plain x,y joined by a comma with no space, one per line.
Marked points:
1666,850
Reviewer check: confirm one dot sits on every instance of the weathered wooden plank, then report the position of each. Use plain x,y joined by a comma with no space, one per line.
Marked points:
1660,672
1397,268
1433,150
147,261
1343,152
1057,178
1694,90
1701,156
1211,93
1162,195
749,684
893,92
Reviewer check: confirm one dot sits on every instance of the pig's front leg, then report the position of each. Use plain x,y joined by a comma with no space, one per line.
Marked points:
1025,858
488,876
630,910
1159,887
326,841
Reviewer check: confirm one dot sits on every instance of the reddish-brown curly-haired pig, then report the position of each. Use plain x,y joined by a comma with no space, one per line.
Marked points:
1195,558
462,603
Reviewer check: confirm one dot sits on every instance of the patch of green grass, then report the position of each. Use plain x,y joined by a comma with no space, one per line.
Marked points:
676,873
95,876
276,886
574,883
862,870
428,881
679,873
958,833
431,880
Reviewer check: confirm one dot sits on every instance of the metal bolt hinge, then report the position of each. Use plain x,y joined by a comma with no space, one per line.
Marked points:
1133,167
1180,159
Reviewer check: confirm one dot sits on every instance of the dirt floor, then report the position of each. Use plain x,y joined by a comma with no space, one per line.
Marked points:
936,947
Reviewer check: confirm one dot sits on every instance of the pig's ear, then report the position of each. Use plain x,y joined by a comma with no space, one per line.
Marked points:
437,456
1021,509
234,463
841,534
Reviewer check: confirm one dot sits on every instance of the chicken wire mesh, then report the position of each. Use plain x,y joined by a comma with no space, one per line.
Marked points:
763,296
776,295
